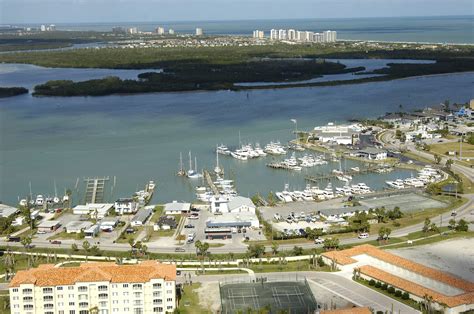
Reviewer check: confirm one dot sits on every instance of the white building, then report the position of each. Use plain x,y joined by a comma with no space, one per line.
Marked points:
372,153
132,30
125,206
338,134
282,34
234,220
176,208
199,31
92,231
171,31
43,28
77,226
258,34
291,34
48,226
273,34
95,210
160,30
148,287
241,204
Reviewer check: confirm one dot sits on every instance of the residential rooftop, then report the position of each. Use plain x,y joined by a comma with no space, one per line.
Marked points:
48,275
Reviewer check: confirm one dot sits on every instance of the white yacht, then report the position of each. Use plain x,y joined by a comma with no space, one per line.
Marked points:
223,150
39,200
397,184
239,154
192,173
259,150
23,202
355,169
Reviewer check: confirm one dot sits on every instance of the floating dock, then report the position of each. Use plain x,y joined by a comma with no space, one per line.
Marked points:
331,175
95,188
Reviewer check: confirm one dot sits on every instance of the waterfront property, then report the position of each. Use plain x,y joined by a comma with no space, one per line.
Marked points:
175,208
148,287
141,217
125,206
337,134
77,226
449,293
95,210
372,153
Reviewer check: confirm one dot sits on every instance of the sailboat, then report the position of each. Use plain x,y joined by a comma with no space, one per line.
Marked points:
56,199
218,169
181,171
192,173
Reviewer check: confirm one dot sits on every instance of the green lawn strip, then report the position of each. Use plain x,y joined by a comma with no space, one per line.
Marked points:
435,239
189,302
66,236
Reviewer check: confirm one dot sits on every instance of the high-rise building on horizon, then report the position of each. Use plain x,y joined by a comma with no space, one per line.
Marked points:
171,31
273,34
199,31
258,34
133,30
160,30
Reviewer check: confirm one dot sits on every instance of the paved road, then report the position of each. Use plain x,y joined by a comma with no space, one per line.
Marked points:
333,282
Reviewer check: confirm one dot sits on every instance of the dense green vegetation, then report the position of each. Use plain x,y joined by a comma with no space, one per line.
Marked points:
197,76
12,91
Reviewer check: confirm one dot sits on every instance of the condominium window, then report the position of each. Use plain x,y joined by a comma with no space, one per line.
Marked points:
59,296
157,309
59,288
71,303
70,287
83,304
157,294
72,296
15,290
137,302
103,295
27,291
157,301
48,306
84,312
169,307
114,285
82,288
60,312
16,298
103,304
137,294
126,309
137,286
103,311
83,297
28,307
169,283
138,311
48,312
169,291
72,312
48,298
16,306
103,288
156,285
125,293
125,285
27,299
169,300
47,290
114,301
126,301
61,304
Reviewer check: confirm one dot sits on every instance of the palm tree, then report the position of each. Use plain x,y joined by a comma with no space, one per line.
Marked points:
9,262
86,246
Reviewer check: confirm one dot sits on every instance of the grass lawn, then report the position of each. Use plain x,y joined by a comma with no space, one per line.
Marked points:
124,237
4,303
189,302
442,149
434,239
286,241
416,157
66,236
467,185
292,266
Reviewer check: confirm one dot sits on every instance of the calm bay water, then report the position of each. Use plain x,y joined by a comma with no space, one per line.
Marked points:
139,137
445,29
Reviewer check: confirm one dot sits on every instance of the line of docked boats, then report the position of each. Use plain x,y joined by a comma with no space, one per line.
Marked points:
249,151
41,200
144,196
298,164
311,193
225,187
425,176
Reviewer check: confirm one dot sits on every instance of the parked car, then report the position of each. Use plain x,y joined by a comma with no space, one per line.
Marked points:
179,249
41,232
318,241
363,235
188,226
453,214
54,241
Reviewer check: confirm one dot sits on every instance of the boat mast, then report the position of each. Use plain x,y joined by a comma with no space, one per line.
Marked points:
190,162
181,162
55,189
196,163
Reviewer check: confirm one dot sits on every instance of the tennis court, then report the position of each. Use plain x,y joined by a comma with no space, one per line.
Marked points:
294,297
406,202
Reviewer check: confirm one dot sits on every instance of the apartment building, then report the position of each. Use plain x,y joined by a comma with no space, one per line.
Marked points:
148,287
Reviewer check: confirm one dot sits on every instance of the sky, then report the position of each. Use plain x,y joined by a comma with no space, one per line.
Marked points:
87,11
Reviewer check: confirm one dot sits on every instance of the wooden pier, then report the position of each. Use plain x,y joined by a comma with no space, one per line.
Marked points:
95,188
277,165
211,184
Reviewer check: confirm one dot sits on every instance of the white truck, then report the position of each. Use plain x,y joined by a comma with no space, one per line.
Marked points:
191,237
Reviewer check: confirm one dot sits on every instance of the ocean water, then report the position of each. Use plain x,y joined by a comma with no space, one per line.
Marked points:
445,29
136,138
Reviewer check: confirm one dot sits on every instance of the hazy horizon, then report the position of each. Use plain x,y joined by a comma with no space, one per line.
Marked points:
148,11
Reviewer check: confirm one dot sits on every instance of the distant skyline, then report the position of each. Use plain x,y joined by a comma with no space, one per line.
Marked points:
93,11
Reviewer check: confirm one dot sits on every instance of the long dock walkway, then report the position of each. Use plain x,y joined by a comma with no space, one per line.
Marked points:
211,184
95,188
331,175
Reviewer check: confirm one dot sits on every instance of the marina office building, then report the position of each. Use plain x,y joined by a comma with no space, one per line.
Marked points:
148,287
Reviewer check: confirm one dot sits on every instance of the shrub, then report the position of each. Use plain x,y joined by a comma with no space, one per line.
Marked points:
398,293
378,284
384,286
371,282
391,290
405,296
